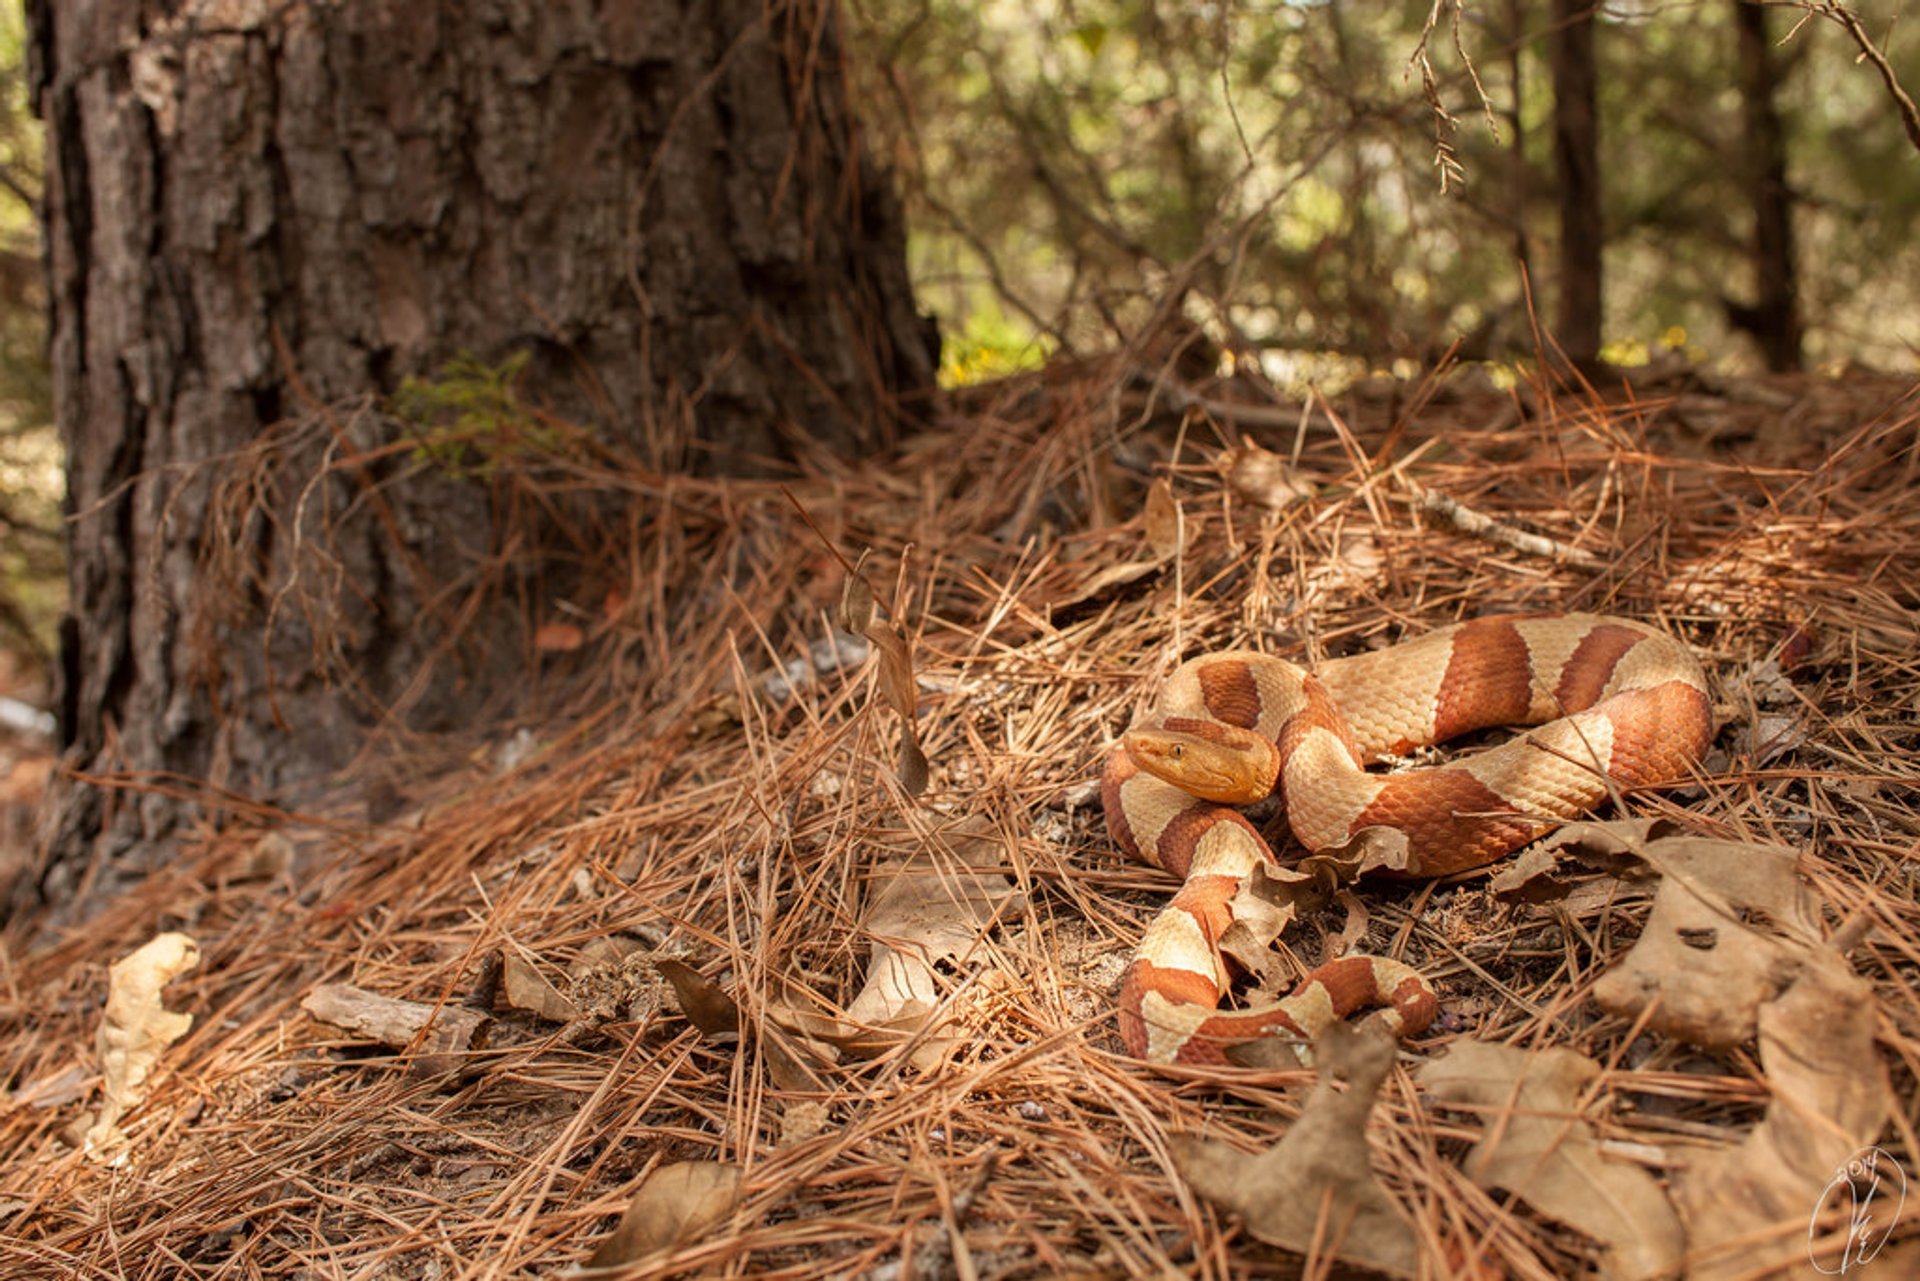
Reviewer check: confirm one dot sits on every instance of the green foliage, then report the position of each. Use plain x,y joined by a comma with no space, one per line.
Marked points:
990,344
469,419
1073,158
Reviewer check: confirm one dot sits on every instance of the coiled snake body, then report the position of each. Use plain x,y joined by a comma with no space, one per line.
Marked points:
1617,705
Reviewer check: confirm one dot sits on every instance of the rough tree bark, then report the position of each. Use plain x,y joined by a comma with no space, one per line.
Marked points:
1576,152
258,211
1774,317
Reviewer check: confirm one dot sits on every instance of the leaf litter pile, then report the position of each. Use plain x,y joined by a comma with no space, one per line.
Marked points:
787,943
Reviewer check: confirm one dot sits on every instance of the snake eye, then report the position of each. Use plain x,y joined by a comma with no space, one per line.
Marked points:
1178,751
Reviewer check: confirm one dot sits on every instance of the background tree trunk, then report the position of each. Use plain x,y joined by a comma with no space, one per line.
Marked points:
1774,317
260,213
1576,152
1519,197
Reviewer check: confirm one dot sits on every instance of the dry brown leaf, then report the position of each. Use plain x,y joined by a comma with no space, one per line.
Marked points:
913,767
1536,1146
869,1040
704,1002
930,909
1108,578
1354,931
1732,951
603,950
1165,525
1315,1188
677,1204
525,988
270,858
801,1120
897,684
808,1025
896,670
1263,478
1370,849
857,607
1830,1100
135,1029
1731,927
791,1063
1561,862
1266,903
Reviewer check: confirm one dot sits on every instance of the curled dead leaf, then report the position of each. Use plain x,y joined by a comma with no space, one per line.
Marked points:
931,909
1733,951
525,988
1106,579
794,1064
1355,929
896,670
1830,1098
913,767
1536,1146
1731,926
1552,867
135,1029
857,606
677,1204
1314,1190
704,1002
1263,478
1165,523
1370,849
1266,903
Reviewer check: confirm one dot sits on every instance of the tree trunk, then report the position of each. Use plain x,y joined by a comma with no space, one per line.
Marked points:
1576,151
1518,195
261,219
1774,317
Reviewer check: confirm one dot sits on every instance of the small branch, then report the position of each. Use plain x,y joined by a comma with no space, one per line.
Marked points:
1469,521
440,1038
1834,11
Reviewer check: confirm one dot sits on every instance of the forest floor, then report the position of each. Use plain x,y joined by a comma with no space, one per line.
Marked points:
721,942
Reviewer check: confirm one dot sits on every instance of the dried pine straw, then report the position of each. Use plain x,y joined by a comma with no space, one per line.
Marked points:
680,800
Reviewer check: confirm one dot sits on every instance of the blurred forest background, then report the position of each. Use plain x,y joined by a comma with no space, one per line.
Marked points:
1327,190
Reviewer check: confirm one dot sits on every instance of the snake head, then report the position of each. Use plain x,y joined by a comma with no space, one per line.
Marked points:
1207,759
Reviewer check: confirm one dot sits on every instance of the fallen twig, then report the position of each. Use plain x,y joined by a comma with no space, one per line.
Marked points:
1469,521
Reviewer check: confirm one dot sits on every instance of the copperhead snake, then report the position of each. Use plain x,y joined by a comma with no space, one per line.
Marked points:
1617,704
